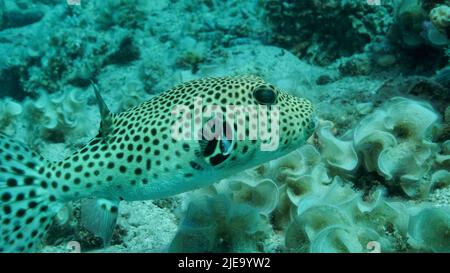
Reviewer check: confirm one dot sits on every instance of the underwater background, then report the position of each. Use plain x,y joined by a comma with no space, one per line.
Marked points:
375,176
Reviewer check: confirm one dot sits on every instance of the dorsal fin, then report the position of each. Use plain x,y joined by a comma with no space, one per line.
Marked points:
106,123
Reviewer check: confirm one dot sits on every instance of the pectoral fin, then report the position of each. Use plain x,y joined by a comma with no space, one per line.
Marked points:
99,216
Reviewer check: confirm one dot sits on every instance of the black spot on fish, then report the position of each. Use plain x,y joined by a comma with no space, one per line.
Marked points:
195,165
217,159
210,147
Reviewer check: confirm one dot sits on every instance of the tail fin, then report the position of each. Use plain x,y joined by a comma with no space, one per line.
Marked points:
26,206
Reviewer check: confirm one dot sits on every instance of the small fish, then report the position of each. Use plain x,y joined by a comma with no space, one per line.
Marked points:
135,157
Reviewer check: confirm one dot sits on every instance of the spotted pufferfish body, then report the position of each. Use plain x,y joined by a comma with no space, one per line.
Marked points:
136,157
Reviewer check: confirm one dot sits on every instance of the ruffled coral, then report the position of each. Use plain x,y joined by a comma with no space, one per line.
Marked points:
329,222
408,23
434,239
58,117
396,142
216,224
440,16
299,174
9,112
261,194
338,153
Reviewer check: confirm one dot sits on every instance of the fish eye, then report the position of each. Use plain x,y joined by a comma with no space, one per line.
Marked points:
265,95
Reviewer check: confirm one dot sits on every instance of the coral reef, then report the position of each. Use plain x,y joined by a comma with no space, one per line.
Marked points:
75,57
396,141
417,32
122,13
376,171
74,53
313,230
373,219
309,28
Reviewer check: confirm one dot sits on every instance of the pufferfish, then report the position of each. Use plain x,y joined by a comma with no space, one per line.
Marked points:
135,157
